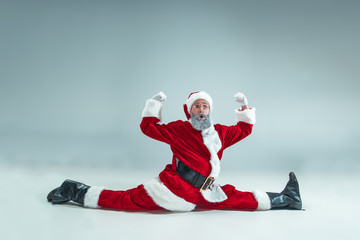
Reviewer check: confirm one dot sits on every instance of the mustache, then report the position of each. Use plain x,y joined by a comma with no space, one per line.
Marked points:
200,121
200,115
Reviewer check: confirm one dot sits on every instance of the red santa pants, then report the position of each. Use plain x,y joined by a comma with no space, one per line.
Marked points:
138,199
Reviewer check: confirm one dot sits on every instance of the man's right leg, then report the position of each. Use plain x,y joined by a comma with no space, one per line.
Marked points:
132,199
95,197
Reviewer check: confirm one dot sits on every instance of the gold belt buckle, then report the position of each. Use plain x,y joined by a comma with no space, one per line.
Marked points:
207,184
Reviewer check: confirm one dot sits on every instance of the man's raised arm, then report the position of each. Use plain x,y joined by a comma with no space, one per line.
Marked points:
153,106
245,118
151,116
244,113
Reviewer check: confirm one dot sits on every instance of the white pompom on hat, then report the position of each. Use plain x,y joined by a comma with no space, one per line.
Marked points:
193,97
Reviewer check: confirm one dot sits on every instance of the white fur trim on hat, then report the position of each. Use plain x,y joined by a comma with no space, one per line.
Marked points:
198,95
263,200
92,195
163,197
152,109
247,115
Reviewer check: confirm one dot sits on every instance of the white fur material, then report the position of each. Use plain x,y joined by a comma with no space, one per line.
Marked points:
214,194
92,197
247,115
152,109
240,98
163,197
213,143
263,200
196,96
161,97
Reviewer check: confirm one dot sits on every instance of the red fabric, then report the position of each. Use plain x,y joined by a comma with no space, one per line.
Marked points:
188,116
237,200
138,199
187,145
133,199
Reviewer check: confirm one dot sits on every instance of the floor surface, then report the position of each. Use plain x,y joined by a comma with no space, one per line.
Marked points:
330,203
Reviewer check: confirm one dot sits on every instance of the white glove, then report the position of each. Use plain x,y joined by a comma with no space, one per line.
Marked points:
240,98
161,97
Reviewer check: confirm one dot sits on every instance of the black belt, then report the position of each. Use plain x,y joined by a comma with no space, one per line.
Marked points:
196,179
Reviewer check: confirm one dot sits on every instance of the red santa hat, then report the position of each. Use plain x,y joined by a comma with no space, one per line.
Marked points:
192,98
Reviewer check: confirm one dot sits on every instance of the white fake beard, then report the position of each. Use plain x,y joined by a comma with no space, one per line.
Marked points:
200,124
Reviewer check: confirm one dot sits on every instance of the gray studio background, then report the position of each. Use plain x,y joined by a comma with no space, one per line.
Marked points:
74,77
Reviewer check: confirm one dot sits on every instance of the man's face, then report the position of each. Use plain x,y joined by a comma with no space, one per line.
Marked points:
200,106
200,117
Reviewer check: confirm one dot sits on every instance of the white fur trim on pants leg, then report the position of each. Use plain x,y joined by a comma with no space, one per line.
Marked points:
263,200
164,198
92,197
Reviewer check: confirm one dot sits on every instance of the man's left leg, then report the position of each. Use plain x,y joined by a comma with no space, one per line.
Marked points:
94,197
289,198
236,200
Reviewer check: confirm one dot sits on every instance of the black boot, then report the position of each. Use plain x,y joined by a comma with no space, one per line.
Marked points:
68,191
289,198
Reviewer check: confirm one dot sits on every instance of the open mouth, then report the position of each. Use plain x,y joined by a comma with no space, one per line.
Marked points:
201,117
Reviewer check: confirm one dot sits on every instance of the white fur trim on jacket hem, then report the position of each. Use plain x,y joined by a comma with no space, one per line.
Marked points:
164,198
214,194
263,200
92,197
213,143
247,115
152,109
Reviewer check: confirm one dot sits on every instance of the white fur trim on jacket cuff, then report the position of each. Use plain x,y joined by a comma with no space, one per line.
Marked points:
247,115
92,197
164,198
152,109
263,200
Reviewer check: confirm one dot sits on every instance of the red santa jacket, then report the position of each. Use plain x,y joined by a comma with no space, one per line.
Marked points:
200,150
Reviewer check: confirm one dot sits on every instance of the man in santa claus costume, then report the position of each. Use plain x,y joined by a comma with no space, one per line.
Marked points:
188,183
